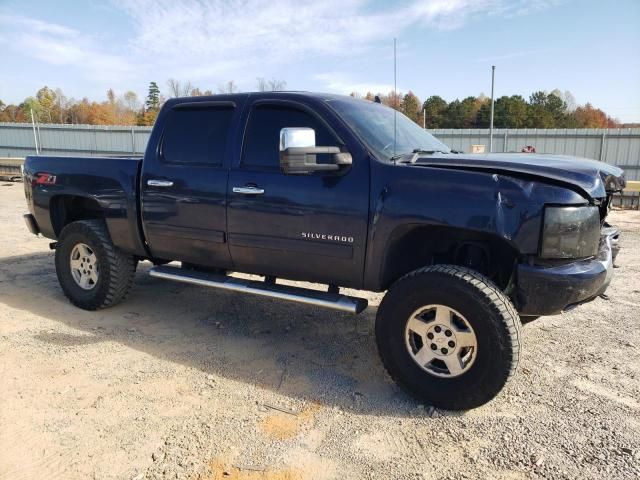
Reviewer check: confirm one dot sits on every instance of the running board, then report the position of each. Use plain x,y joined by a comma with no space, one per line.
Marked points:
285,292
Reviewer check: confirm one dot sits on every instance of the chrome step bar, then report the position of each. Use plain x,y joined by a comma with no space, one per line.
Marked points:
318,298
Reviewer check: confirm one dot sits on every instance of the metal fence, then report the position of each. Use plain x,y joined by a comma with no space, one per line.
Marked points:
19,139
615,146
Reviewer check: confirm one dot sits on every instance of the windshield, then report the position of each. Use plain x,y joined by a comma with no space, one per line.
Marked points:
373,123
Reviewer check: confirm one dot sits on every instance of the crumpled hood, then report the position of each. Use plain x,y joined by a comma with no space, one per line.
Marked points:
592,177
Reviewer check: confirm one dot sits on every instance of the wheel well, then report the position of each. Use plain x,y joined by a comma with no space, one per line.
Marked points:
65,209
416,246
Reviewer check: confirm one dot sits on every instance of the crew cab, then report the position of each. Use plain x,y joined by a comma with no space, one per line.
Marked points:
346,193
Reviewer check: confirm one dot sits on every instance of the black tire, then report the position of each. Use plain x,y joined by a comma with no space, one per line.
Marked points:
486,309
116,269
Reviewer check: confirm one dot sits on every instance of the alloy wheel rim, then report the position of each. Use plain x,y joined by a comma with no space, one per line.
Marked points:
84,266
441,341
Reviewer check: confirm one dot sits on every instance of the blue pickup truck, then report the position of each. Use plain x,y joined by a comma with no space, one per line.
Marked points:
345,193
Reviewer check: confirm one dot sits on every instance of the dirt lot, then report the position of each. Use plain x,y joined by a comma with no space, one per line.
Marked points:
184,382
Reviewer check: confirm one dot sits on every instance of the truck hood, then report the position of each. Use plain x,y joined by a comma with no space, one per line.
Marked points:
594,178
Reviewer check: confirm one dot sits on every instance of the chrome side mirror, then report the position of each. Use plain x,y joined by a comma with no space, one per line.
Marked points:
298,153
297,137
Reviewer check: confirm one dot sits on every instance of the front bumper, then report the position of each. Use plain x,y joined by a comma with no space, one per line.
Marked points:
549,290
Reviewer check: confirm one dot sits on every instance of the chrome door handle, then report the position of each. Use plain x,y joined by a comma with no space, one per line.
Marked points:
160,183
248,190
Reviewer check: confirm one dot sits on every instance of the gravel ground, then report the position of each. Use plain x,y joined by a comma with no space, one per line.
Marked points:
183,382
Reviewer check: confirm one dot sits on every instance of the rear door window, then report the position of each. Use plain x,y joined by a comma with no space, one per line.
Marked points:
196,135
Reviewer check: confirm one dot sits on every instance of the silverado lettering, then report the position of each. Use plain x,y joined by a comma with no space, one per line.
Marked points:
322,236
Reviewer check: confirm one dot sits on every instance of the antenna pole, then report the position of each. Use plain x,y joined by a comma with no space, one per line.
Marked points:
395,95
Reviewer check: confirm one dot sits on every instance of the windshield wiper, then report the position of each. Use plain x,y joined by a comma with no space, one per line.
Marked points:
428,152
398,156
416,153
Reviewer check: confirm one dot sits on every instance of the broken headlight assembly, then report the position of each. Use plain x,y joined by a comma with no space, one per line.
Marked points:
570,232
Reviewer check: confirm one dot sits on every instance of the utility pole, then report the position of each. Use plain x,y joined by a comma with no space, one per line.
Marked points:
493,77
424,118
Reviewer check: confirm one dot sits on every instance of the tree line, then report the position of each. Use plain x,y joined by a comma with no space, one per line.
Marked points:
541,110
53,106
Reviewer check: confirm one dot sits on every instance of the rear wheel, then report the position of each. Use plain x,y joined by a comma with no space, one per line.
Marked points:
448,336
92,272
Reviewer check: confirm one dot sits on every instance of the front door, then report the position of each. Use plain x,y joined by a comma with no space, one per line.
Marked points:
310,227
184,185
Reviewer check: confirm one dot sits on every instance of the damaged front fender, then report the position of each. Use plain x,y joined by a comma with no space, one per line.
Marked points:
405,197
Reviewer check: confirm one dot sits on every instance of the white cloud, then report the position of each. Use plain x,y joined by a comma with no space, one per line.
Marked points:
61,46
337,82
236,32
209,41
510,55
242,39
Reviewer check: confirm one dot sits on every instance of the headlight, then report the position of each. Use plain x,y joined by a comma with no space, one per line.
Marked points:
570,232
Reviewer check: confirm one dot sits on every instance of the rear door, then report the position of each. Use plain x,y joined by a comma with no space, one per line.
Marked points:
184,185
311,227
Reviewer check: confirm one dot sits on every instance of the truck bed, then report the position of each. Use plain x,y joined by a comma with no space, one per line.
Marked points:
110,183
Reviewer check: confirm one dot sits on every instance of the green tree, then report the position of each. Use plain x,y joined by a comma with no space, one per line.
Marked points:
410,106
483,117
454,114
546,111
47,100
510,112
29,105
153,97
435,112
469,110
538,116
516,112
462,114
557,108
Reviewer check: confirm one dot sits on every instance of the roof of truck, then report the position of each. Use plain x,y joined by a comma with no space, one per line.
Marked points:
267,95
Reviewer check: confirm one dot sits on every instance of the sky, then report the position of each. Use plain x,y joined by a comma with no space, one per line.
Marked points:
444,47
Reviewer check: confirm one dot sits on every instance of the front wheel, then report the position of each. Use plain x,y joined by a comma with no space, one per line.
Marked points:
448,336
92,272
